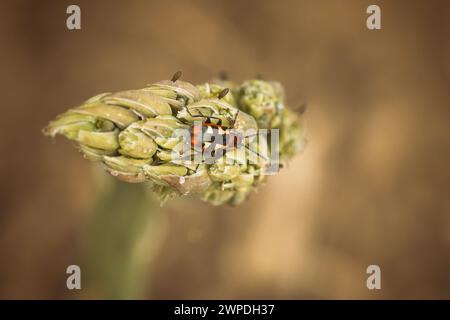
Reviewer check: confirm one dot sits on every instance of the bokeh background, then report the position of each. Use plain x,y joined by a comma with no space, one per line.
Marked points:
371,187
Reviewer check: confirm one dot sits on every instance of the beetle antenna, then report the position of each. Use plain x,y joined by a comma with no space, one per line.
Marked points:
223,93
235,118
223,75
300,109
176,76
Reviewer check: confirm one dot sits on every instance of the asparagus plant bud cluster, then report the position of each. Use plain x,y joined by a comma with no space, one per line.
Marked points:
161,133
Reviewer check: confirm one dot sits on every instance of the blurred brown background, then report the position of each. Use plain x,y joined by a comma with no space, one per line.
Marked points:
372,186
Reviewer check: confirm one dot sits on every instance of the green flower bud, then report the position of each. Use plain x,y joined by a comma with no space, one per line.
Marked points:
135,143
165,169
221,171
99,140
261,99
164,173
144,103
218,109
177,93
69,125
162,128
120,116
125,164
193,183
144,135
212,91
94,154
292,140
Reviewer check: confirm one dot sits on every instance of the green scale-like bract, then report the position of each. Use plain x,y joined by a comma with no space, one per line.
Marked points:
132,133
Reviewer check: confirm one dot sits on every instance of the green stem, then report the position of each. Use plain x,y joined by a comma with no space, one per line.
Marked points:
121,239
